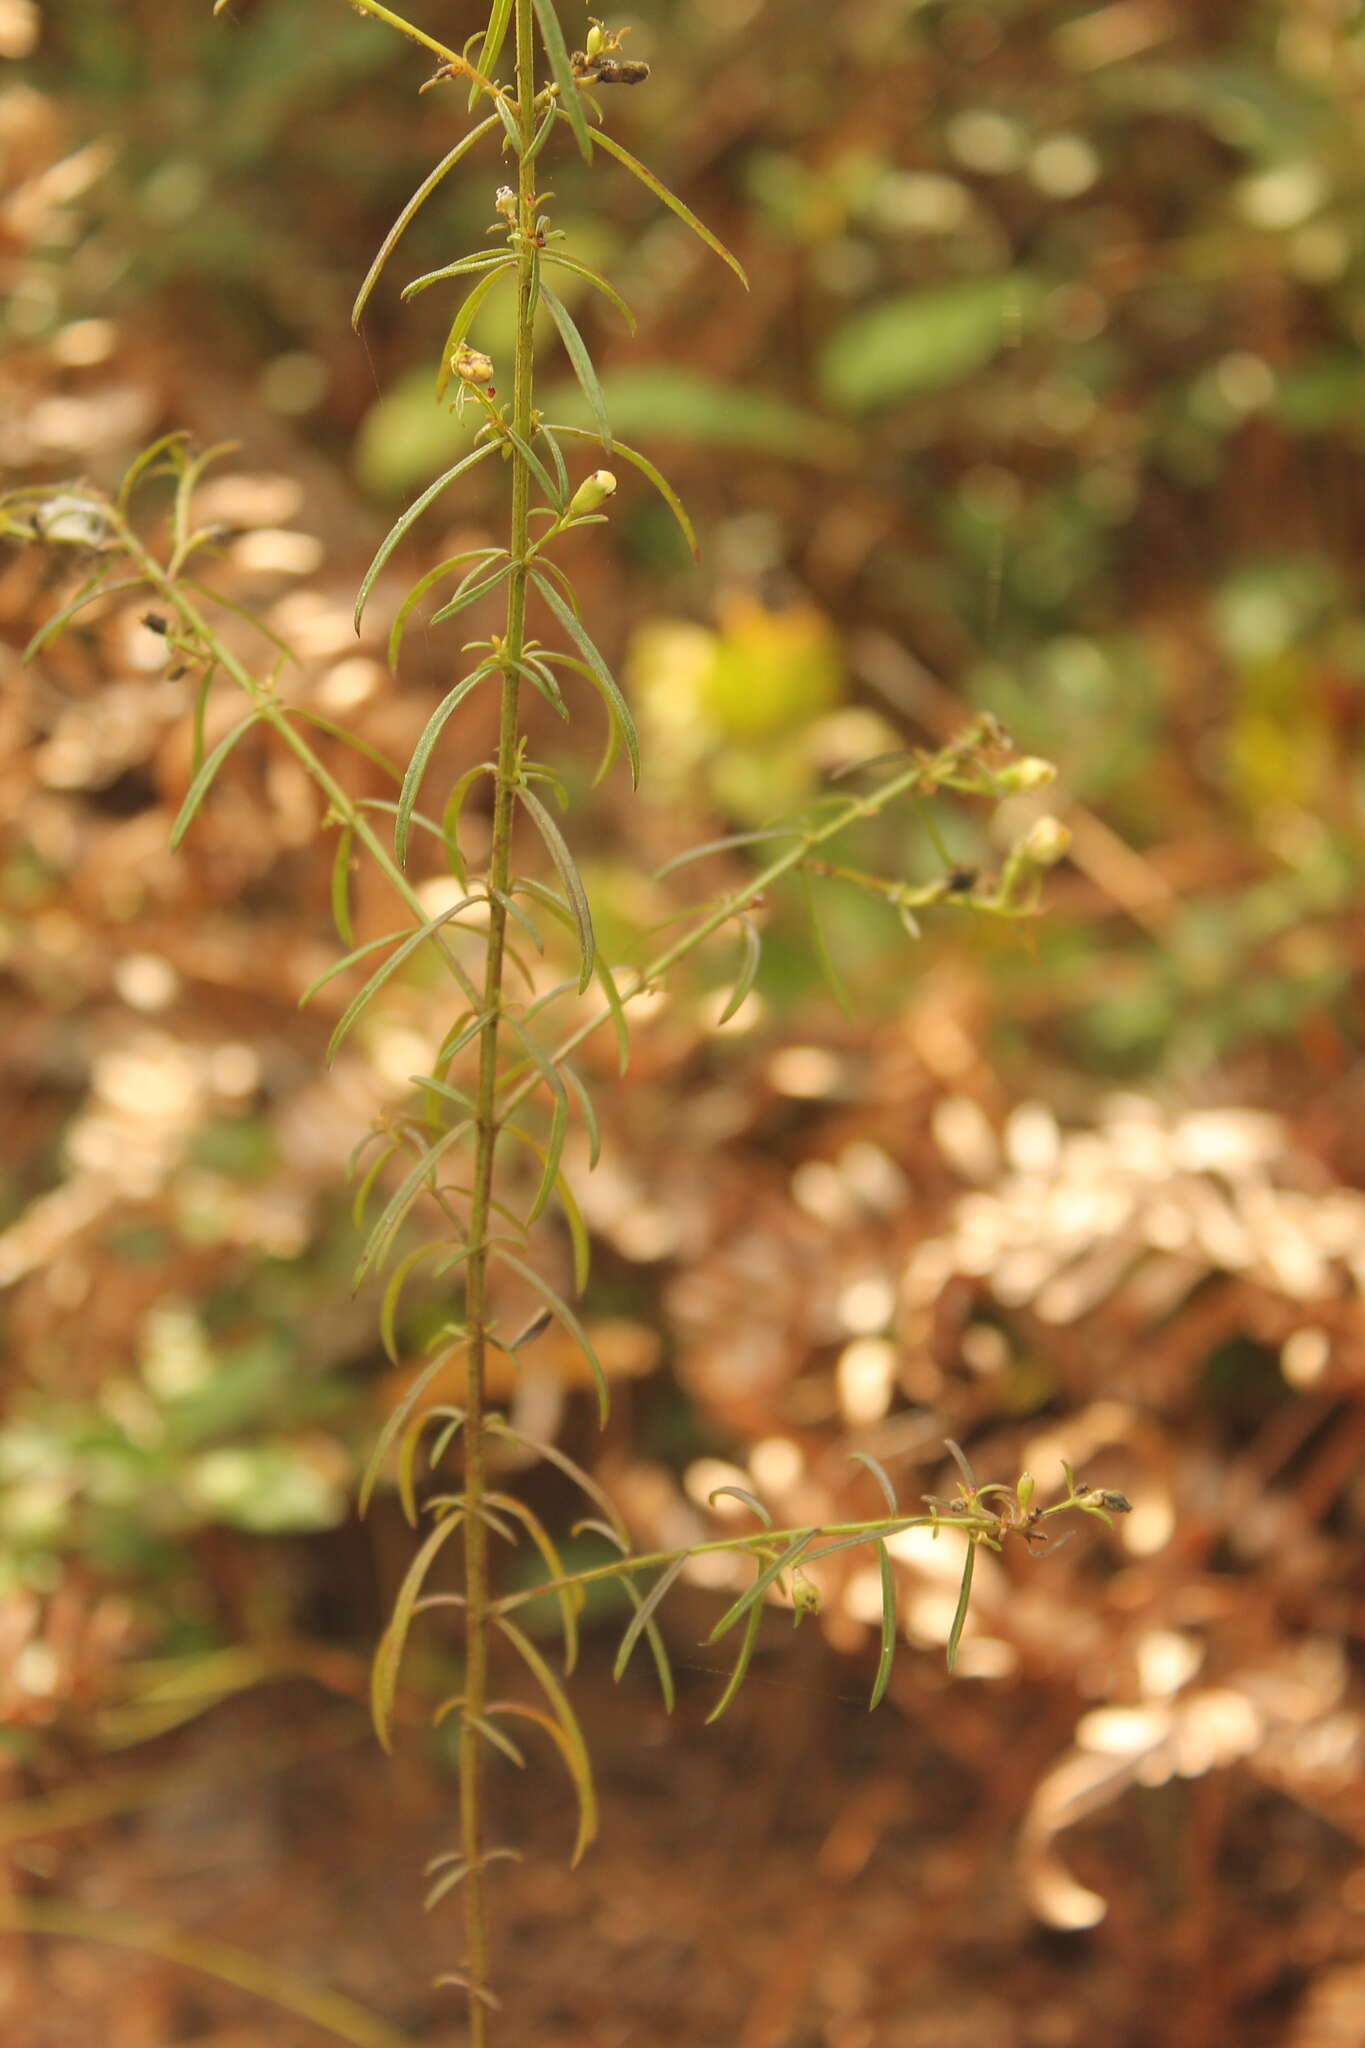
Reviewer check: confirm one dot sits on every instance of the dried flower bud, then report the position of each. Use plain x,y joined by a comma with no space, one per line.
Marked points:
1045,843
1117,1503
1032,772
471,367
592,492
506,202
1023,1489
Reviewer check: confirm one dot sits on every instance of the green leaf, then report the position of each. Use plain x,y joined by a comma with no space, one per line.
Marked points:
618,1015
393,1426
406,520
924,341
569,1605
888,1649
463,266
655,476
963,1602
389,1655
731,839
748,971
568,875
575,1749
576,350
461,324
494,37
585,1104
423,585
411,210
536,467
670,200
88,592
347,738
746,1651
643,1614
341,888
199,788
594,278
552,35
601,674
666,401
879,1473
565,1464
565,1315
364,996
173,446
469,593
770,1572
391,1217
421,755
742,1493
388,1308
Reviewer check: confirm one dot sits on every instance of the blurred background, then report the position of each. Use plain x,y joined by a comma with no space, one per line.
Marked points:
1047,400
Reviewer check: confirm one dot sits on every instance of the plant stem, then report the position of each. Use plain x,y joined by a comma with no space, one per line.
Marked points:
499,876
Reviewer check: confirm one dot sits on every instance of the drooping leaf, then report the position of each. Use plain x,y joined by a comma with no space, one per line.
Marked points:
565,1315
576,350
576,1750
391,1217
421,755
389,1655
888,1646
772,1571
410,211
552,35
746,1651
568,874
199,788
670,200
748,969
569,1599
963,1602
341,888
423,584
407,519
879,1473
95,586
644,1613
561,261
655,476
601,674
387,969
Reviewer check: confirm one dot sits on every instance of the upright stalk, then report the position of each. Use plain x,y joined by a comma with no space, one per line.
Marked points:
499,875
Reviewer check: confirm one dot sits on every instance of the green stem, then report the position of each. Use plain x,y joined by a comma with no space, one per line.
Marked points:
499,877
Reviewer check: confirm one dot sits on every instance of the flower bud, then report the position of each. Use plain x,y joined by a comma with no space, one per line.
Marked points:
805,1597
471,366
1045,843
1031,772
591,493
1023,1489
596,38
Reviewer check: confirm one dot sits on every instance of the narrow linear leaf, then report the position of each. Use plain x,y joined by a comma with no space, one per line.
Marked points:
770,1572
552,35
463,266
963,1602
888,1649
365,1187
363,997
494,37
566,1316
612,996
245,614
569,1606
568,875
407,518
341,888
412,209
199,788
584,1481
670,200
746,1651
421,755
393,1425
172,446
422,586
879,1473
348,738
576,1750
468,593
653,473
602,676
554,493
731,839
389,1655
386,1229
750,1500
748,969
592,277
643,1614
357,953
576,350
95,586
574,1081
452,1420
